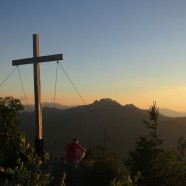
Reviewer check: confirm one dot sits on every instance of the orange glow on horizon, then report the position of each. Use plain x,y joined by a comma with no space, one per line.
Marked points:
171,101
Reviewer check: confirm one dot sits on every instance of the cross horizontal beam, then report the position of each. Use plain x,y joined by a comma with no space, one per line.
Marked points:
37,59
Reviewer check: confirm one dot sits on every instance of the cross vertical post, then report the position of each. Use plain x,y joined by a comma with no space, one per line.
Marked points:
37,93
36,60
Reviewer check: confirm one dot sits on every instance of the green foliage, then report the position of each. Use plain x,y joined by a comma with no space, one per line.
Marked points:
171,168
102,166
11,137
127,181
141,158
181,146
18,163
23,174
158,166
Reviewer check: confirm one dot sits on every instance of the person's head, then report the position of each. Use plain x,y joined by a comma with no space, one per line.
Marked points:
75,140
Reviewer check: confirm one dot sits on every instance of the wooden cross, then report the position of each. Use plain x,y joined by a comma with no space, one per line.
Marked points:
36,60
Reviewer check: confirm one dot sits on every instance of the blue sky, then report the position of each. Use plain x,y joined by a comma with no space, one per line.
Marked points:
133,51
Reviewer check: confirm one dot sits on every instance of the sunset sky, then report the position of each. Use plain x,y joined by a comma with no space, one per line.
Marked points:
132,51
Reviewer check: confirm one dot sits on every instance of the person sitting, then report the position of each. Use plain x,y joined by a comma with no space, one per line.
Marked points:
74,152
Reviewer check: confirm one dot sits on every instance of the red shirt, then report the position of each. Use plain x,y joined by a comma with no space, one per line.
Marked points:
73,150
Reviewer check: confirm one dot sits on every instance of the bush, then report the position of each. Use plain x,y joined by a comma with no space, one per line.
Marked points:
18,162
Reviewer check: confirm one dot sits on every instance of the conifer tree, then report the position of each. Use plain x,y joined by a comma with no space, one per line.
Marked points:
144,157
152,127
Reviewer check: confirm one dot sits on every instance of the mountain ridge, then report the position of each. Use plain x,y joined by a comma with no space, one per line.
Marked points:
164,111
122,124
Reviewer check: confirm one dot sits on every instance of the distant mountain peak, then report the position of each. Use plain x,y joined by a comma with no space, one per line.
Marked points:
130,106
106,101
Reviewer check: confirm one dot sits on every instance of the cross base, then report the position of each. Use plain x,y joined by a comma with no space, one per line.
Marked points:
39,147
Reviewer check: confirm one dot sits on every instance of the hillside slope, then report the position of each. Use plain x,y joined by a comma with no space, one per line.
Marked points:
122,124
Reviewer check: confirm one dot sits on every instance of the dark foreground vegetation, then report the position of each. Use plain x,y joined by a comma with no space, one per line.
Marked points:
149,164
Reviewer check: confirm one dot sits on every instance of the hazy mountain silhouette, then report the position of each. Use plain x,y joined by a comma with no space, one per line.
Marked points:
172,113
164,111
31,108
122,124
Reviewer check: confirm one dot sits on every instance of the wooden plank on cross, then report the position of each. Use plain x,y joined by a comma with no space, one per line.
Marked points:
39,59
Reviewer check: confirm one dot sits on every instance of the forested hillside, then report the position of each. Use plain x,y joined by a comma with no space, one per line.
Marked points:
122,124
